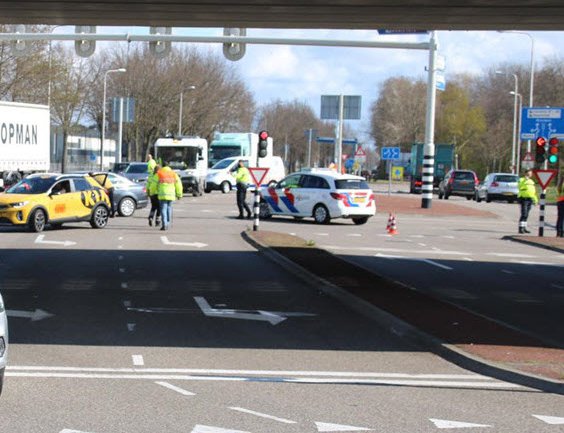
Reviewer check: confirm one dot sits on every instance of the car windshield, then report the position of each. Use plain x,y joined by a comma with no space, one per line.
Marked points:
351,184
224,163
32,185
136,168
507,178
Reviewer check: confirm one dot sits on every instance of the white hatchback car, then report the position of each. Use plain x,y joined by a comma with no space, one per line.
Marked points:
319,193
3,342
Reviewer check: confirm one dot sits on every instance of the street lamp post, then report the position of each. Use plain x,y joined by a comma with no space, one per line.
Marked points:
515,133
104,116
518,162
180,109
532,73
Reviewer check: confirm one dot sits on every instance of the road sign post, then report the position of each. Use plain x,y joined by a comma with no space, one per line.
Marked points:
257,174
544,178
390,154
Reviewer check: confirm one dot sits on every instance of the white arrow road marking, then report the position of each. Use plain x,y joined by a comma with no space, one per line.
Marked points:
41,240
175,388
33,315
272,318
324,426
263,415
442,423
165,241
209,429
555,420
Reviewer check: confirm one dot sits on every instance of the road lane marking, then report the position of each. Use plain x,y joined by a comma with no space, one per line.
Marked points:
421,244
124,285
557,286
328,427
443,423
138,360
40,239
263,415
131,327
395,250
175,388
554,420
321,234
127,303
415,259
506,271
355,235
468,259
511,255
199,428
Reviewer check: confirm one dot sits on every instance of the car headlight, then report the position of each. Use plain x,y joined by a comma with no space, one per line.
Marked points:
19,204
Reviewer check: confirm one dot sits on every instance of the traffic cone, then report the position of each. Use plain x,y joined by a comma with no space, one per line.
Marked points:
393,227
389,226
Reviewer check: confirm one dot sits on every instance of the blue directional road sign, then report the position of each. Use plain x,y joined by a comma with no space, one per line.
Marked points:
390,153
542,122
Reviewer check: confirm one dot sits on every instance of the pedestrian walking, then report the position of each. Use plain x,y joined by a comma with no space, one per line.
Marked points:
242,180
151,163
560,205
104,180
527,198
153,193
169,189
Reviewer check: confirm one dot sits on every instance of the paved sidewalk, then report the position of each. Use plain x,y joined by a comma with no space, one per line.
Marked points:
468,339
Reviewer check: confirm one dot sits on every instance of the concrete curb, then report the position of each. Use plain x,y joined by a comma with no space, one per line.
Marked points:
533,243
407,331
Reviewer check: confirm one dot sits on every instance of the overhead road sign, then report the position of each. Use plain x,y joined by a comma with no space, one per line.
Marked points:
402,32
330,107
331,140
542,122
390,153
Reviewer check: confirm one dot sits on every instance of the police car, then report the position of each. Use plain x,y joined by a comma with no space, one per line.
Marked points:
319,193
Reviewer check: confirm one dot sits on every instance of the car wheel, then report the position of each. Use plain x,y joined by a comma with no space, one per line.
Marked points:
99,218
264,211
468,197
126,207
225,187
360,221
321,214
207,190
488,199
37,221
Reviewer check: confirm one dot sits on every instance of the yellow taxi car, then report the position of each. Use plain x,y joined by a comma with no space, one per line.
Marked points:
54,199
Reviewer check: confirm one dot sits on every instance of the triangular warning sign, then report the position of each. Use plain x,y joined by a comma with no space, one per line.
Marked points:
360,152
528,157
258,174
544,176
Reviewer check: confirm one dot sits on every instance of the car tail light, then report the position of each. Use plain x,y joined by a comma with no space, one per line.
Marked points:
337,196
372,197
494,184
476,180
418,183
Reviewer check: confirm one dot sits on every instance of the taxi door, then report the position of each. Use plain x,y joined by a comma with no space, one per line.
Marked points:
59,201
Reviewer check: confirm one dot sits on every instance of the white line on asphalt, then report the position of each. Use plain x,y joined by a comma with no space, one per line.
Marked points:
292,234
395,250
505,271
263,415
277,373
120,238
122,270
439,265
448,237
131,327
526,262
321,234
416,236
421,244
356,235
120,247
138,360
388,256
511,255
120,257
127,303
557,286
468,259
175,388
124,285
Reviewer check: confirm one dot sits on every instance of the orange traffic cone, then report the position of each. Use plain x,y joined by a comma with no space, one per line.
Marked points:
393,230
389,226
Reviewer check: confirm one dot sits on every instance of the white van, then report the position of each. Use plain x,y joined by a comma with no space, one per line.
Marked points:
220,176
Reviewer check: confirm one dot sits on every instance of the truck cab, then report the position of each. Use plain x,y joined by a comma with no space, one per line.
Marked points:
188,156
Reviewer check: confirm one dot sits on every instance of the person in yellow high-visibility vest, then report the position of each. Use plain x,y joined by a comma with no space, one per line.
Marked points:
527,198
152,186
242,179
169,189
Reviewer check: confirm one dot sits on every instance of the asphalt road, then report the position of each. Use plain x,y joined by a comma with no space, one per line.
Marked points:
130,329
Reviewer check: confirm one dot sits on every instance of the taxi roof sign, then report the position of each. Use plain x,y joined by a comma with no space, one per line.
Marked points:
258,174
544,177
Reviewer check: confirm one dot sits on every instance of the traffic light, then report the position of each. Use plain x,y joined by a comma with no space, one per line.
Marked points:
553,150
540,154
262,144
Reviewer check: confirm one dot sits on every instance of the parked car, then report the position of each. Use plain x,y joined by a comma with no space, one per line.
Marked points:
128,195
54,199
136,171
458,182
498,186
3,342
319,193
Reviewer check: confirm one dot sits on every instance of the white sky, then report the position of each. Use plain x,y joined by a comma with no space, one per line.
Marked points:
305,73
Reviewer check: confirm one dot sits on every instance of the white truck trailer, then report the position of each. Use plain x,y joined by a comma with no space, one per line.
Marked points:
226,145
188,156
24,140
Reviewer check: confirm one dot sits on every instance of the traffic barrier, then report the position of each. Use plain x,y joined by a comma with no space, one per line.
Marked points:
392,226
